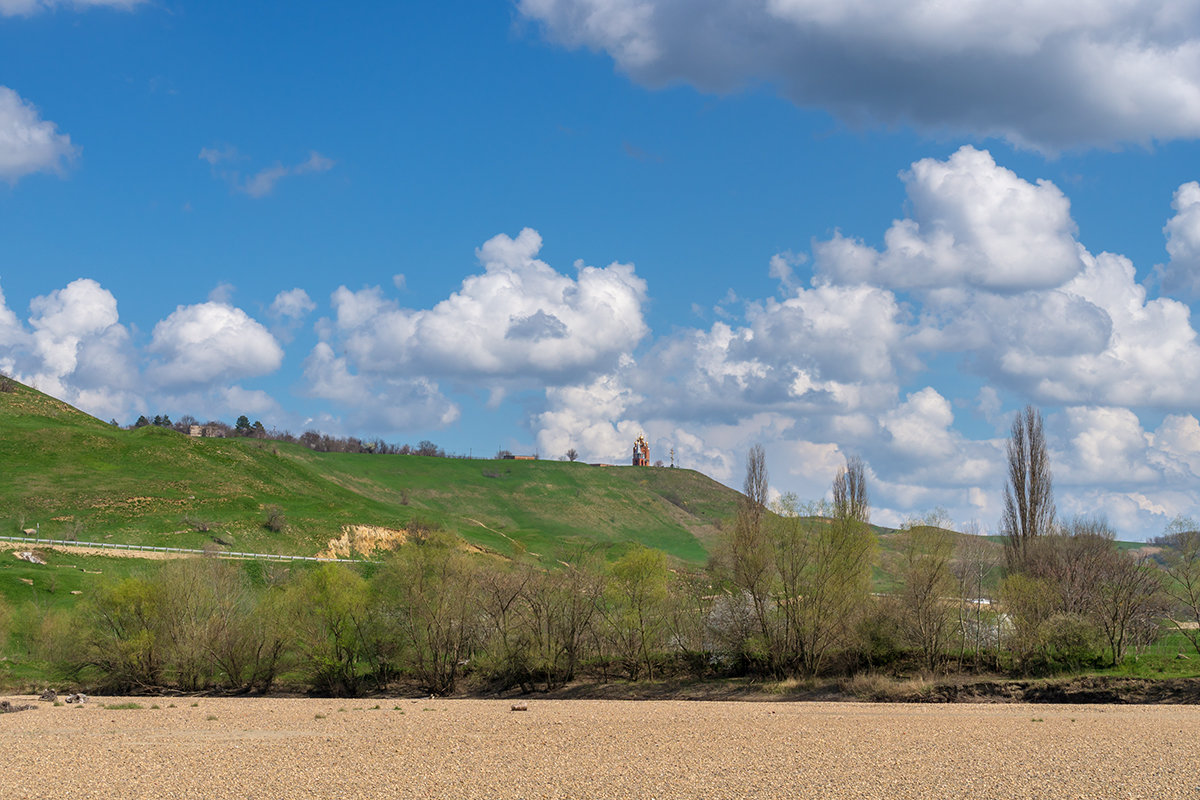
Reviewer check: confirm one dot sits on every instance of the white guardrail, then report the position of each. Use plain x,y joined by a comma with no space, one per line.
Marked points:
151,548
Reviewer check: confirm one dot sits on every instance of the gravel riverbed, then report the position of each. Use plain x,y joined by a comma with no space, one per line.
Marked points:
402,748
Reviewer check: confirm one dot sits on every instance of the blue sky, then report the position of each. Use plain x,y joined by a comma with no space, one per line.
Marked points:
834,228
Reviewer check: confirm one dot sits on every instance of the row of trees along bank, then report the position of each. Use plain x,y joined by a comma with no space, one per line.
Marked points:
788,592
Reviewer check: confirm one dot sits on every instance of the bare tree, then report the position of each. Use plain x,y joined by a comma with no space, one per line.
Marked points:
823,583
1029,494
635,609
755,486
1129,601
1094,590
975,561
689,614
1074,559
750,549
434,593
1181,563
926,611
560,611
1028,604
850,500
327,613
506,652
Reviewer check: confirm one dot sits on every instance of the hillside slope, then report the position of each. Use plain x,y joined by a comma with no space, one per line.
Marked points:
71,475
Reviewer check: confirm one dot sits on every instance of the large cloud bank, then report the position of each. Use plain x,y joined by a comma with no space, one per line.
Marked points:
1045,75
914,354
984,275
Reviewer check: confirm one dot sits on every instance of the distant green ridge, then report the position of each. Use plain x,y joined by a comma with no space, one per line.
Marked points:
69,474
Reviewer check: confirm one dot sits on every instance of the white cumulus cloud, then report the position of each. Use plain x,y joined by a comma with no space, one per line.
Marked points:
1107,447
821,350
520,320
973,224
376,403
210,342
1150,356
591,418
29,143
293,304
996,274
75,348
11,333
1182,273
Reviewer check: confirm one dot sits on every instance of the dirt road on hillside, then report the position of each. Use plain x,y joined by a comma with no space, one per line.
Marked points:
82,550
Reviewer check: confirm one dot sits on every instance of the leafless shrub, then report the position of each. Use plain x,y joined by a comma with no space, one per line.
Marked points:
421,530
880,688
200,525
276,521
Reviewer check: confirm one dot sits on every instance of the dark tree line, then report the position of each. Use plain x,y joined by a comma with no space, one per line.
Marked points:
314,440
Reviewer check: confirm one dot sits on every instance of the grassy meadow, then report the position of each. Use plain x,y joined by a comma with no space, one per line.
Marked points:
72,476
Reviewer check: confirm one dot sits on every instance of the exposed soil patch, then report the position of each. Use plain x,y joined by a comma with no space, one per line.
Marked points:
1078,690
1095,689
363,540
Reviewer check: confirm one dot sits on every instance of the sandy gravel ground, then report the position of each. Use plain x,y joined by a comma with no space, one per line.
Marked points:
301,748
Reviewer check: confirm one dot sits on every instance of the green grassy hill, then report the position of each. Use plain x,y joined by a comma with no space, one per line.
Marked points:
73,476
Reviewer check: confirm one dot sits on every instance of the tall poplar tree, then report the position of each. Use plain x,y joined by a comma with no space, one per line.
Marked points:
1029,494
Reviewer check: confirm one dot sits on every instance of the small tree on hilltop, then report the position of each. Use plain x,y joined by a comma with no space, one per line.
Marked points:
428,448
